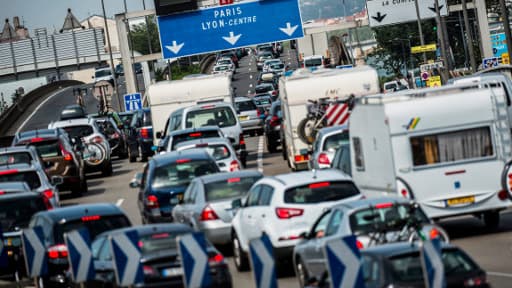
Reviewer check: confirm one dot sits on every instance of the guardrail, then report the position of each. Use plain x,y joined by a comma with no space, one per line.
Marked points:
11,115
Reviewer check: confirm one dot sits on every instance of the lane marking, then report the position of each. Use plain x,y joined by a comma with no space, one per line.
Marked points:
250,76
249,92
500,274
38,107
260,154
250,85
119,202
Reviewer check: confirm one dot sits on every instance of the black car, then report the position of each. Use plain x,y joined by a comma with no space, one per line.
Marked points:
165,178
142,129
73,112
160,260
15,212
272,127
96,218
399,265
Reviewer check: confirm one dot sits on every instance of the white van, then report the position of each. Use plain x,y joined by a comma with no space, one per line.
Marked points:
167,96
304,85
447,148
313,61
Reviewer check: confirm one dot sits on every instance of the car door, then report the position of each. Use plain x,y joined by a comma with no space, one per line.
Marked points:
310,248
184,212
263,212
330,233
248,220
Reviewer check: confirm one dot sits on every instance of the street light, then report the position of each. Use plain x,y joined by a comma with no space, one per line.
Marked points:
110,53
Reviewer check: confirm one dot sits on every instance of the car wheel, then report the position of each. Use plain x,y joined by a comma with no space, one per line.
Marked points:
492,219
301,272
133,158
283,151
107,170
241,260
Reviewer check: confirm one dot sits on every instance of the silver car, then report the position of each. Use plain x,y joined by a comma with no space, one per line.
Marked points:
249,115
391,218
219,148
327,141
207,203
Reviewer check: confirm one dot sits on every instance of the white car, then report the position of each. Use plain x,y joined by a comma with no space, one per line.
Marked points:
219,148
223,69
268,63
226,61
103,74
285,207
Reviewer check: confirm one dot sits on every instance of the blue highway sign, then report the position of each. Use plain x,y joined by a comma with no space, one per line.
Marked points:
344,263
490,62
126,256
80,255
3,253
262,260
34,250
499,44
132,102
229,26
432,261
194,260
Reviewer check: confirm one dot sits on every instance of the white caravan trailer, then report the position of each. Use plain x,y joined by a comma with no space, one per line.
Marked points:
166,96
447,148
304,85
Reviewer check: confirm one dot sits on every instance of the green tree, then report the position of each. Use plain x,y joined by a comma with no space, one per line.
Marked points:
139,36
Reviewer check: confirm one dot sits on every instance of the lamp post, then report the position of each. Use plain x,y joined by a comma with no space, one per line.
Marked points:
410,66
110,54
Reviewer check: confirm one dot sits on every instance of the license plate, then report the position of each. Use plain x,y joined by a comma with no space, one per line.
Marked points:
170,272
179,196
243,118
461,201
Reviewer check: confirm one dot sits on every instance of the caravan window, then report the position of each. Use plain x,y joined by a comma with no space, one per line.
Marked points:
452,146
220,116
358,150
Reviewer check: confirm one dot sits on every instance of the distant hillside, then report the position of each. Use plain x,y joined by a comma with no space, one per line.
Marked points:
325,9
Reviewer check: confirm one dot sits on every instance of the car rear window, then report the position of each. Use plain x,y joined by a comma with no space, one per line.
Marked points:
387,216
79,131
95,224
31,177
15,158
243,106
16,212
180,174
229,188
49,148
179,138
146,120
334,141
263,88
263,101
407,268
159,241
320,192
220,116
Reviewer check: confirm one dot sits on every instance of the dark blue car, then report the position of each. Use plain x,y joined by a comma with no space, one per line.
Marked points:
165,178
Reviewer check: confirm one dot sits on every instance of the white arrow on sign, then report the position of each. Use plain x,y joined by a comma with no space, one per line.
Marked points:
74,238
344,253
289,29
175,48
39,251
232,39
132,259
200,259
266,277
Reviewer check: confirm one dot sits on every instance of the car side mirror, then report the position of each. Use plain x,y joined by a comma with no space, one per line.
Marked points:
231,140
134,184
304,235
236,204
159,134
56,180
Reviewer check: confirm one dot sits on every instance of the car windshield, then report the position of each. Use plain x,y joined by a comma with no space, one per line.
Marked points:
146,119
384,216
408,269
320,192
229,188
262,101
220,116
333,142
263,88
243,106
180,174
15,158
31,177
95,224
224,62
49,148
221,68
79,131
277,66
101,73
180,138
16,212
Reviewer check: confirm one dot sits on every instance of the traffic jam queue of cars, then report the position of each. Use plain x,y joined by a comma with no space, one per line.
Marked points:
403,161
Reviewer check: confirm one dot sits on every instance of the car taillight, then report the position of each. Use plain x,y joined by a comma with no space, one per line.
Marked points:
2,192
475,281
66,154
319,185
323,159
359,244
48,194
274,93
274,121
196,134
383,205
149,271
502,195
434,233
242,140
301,158
58,251
37,139
287,213
258,112
404,189
144,133
234,166
91,218
46,202
208,214
216,259
97,139
182,161
8,172
152,202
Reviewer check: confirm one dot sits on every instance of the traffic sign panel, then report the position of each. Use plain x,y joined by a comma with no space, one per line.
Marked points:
505,59
80,255
262,260
194,260
34,250
386,12
432,262
126,256
424,48
227,27
132,102
499,44
490,62
343,262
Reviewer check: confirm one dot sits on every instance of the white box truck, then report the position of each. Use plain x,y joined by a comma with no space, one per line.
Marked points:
447,148
166,96
303,85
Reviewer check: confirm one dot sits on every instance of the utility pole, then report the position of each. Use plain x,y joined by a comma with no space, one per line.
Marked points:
506,24
420,29
440,35
469,37
111,58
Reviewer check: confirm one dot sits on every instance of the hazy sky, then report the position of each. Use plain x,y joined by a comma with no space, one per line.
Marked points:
50,14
